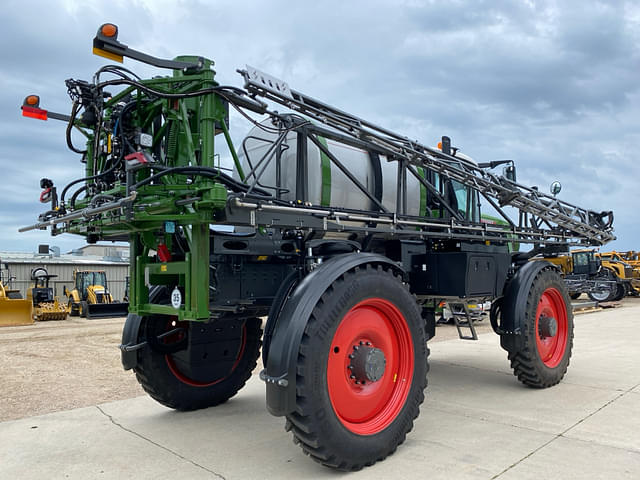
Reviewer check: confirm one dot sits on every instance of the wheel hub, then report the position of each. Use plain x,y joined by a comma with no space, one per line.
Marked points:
367,363
547,326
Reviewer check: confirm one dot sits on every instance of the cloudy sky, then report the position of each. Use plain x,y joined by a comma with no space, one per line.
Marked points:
552,85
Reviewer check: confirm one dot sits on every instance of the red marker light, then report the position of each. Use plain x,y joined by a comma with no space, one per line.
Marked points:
33,112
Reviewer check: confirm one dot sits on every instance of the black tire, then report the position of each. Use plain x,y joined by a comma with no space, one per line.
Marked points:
323,428
602,296
574,295
83,309
543,359
225,353
74,311
610,293
619,292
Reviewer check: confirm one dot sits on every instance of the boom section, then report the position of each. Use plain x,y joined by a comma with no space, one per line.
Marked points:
542,218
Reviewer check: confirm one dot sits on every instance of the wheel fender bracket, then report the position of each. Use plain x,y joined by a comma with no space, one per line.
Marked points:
128,350
514,304
280,372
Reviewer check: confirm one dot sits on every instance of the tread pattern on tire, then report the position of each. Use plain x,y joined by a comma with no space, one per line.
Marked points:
153,374
620,292
526,364
300,423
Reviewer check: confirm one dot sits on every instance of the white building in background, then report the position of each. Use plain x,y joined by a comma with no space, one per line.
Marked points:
111,252
114,260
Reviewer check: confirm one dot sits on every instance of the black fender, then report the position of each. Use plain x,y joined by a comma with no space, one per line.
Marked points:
131,329
513,304
129,338
280,370
287,286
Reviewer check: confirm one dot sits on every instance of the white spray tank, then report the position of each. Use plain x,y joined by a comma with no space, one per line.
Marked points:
327,185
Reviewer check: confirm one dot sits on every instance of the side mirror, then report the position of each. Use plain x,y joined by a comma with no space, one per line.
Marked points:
509,173
555,188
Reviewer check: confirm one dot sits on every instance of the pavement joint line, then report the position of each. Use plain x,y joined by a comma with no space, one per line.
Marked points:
600,444
618,397
142,437
562,434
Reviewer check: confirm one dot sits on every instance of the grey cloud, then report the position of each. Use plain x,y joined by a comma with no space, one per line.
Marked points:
550,84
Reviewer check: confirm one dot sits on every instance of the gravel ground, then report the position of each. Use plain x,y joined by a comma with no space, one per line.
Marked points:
61,365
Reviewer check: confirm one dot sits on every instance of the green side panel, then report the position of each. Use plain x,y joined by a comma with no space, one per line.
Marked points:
423,193
492,219
325,165
513,246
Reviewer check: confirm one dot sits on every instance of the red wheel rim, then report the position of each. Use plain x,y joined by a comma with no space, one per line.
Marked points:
194,383
552,349
368,409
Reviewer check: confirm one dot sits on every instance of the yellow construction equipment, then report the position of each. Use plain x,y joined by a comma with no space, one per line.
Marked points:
14,310
91,299
45,305
627,258
584,271
631,257
627,271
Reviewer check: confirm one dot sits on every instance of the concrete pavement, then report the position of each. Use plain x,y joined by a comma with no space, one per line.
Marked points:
477,422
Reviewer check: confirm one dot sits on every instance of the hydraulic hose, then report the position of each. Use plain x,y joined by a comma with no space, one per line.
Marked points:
206,172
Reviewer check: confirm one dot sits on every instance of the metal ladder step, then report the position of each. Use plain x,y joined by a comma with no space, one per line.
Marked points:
458,311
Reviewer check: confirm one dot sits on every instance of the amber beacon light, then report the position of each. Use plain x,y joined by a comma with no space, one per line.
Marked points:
105,43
